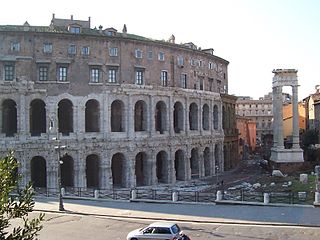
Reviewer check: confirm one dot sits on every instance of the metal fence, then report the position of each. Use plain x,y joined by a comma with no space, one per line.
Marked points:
167,195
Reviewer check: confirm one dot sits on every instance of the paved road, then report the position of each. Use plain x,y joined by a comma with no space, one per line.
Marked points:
100,220
202,213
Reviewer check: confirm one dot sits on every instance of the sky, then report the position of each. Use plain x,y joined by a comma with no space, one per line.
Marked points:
255,36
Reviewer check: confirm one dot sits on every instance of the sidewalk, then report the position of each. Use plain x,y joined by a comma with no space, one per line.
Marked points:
188,212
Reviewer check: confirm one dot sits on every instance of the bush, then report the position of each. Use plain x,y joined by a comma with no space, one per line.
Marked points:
16,204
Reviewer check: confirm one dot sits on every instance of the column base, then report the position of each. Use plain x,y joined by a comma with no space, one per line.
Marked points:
286,160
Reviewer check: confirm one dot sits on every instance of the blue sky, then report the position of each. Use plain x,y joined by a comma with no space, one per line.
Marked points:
255,36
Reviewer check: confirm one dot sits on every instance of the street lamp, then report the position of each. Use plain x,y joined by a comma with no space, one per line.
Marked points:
58,147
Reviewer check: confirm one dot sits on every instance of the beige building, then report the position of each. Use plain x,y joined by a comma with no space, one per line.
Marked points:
259,111
120,110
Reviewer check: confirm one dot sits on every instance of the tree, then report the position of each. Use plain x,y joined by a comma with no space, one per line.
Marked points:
16,204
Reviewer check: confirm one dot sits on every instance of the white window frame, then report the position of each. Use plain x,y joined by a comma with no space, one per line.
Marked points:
161,56
113,51
47,48
85,51
164,78
180,61
62,73
72,49
8,72
139,77
95,74
183,80
112,75
43,73
138,53
15,46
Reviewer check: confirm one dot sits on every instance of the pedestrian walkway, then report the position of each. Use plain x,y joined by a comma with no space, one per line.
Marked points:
202,213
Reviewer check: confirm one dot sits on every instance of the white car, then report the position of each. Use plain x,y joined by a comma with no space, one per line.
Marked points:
158,231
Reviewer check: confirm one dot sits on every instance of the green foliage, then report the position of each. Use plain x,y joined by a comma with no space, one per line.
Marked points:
16,204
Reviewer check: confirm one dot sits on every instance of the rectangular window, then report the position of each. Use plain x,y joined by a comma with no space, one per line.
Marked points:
210,80
15,46
210,65
74,29
139,77
43,73
183,79
201,83
95,75
150,55
72,49
161,56
138,53
112,75
113,52
85,51
62,74
180,61
8,72
47,48
164,78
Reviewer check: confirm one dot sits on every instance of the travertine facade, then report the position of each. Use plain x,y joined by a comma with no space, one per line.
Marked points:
130,111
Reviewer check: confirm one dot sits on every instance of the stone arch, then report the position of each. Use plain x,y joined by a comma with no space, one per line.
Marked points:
65,116
205,117
194,163
67,171
140,116
93,171
9,117
117,170
193,116
207,161
179,165
37,117
117,116
215,117
38,172
162,167
178,119
92,116
161,117
141,169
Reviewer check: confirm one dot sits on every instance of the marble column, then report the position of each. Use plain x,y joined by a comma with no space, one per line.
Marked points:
295,118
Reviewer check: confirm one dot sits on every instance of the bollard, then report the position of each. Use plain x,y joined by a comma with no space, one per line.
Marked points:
174,196
317,198
63,191
219,195
96,194
266,198
133,194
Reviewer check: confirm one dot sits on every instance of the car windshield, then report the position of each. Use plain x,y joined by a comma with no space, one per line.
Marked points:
175,229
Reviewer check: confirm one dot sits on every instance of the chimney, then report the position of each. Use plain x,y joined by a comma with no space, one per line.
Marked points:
89,20
100,29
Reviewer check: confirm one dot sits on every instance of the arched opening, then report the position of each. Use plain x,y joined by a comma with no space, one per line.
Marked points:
162,167
141,170
65,116
92,116
140,116
179,165
194,163
92,171
207,161
161,117
193,116
117,168
224,117
67,171
9,117
38,172
37,117
117,116
215,117
178,119
205,117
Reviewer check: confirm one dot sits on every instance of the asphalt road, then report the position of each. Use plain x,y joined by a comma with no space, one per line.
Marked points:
59,226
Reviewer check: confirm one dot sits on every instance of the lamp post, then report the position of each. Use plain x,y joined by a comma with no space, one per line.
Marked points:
58,147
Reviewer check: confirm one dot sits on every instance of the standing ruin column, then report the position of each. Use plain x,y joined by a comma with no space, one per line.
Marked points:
295,118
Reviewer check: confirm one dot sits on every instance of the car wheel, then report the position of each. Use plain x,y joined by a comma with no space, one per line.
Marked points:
134,238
